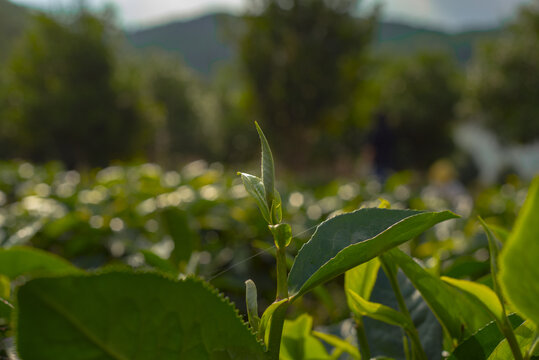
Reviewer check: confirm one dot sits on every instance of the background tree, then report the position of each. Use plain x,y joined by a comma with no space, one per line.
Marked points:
187,125
63,98
303,64
417,106
504,80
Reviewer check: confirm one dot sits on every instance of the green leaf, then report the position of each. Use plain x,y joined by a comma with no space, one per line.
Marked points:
159,263
482,292
493,253
518,259
459,313
276,208
26,261
298,342
525,335
379,312
252,304
480,345
255,188
128,316
387,340
265,320
348,240
267,168
361,279
282,233
338,343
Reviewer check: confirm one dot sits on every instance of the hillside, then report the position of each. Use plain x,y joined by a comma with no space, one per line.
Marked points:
13,20
210,48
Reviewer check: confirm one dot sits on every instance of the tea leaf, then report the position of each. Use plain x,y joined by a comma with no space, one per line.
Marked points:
128,316
362,307
482,292
361,279
481,344
298,342
518,259
459,313
338,343
19,261
252,304
525,335
348,240
267,167
265,320
255,188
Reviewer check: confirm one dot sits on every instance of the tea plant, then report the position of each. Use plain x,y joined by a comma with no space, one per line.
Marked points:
55,310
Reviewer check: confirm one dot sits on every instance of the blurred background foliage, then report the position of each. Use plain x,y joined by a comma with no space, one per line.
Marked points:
333,90
102,132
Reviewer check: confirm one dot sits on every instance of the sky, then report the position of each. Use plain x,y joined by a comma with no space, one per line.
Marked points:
449,14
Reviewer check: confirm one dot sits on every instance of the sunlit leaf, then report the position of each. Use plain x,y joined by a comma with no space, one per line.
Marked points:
361,279
525,334
267,168
338,343
377,311
519,272
298,342
482,292
255,188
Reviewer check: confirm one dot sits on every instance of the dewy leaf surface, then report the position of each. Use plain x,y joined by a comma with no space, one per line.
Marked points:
128,316
459,313
18,261
351,239
519,257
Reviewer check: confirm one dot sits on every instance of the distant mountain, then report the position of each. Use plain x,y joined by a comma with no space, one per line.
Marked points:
201,44
13,21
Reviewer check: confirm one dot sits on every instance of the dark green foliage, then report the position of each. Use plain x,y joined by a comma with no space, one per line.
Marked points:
480,345
505,80
303,61
348,240
27,261
129,316
418,100
64,99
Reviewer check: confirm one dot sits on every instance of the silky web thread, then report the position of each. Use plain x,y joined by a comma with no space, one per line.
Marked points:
255,255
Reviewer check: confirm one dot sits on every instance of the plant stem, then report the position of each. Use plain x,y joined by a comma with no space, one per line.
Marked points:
276,332
362,338
391,273
507,331
532,348
282,276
